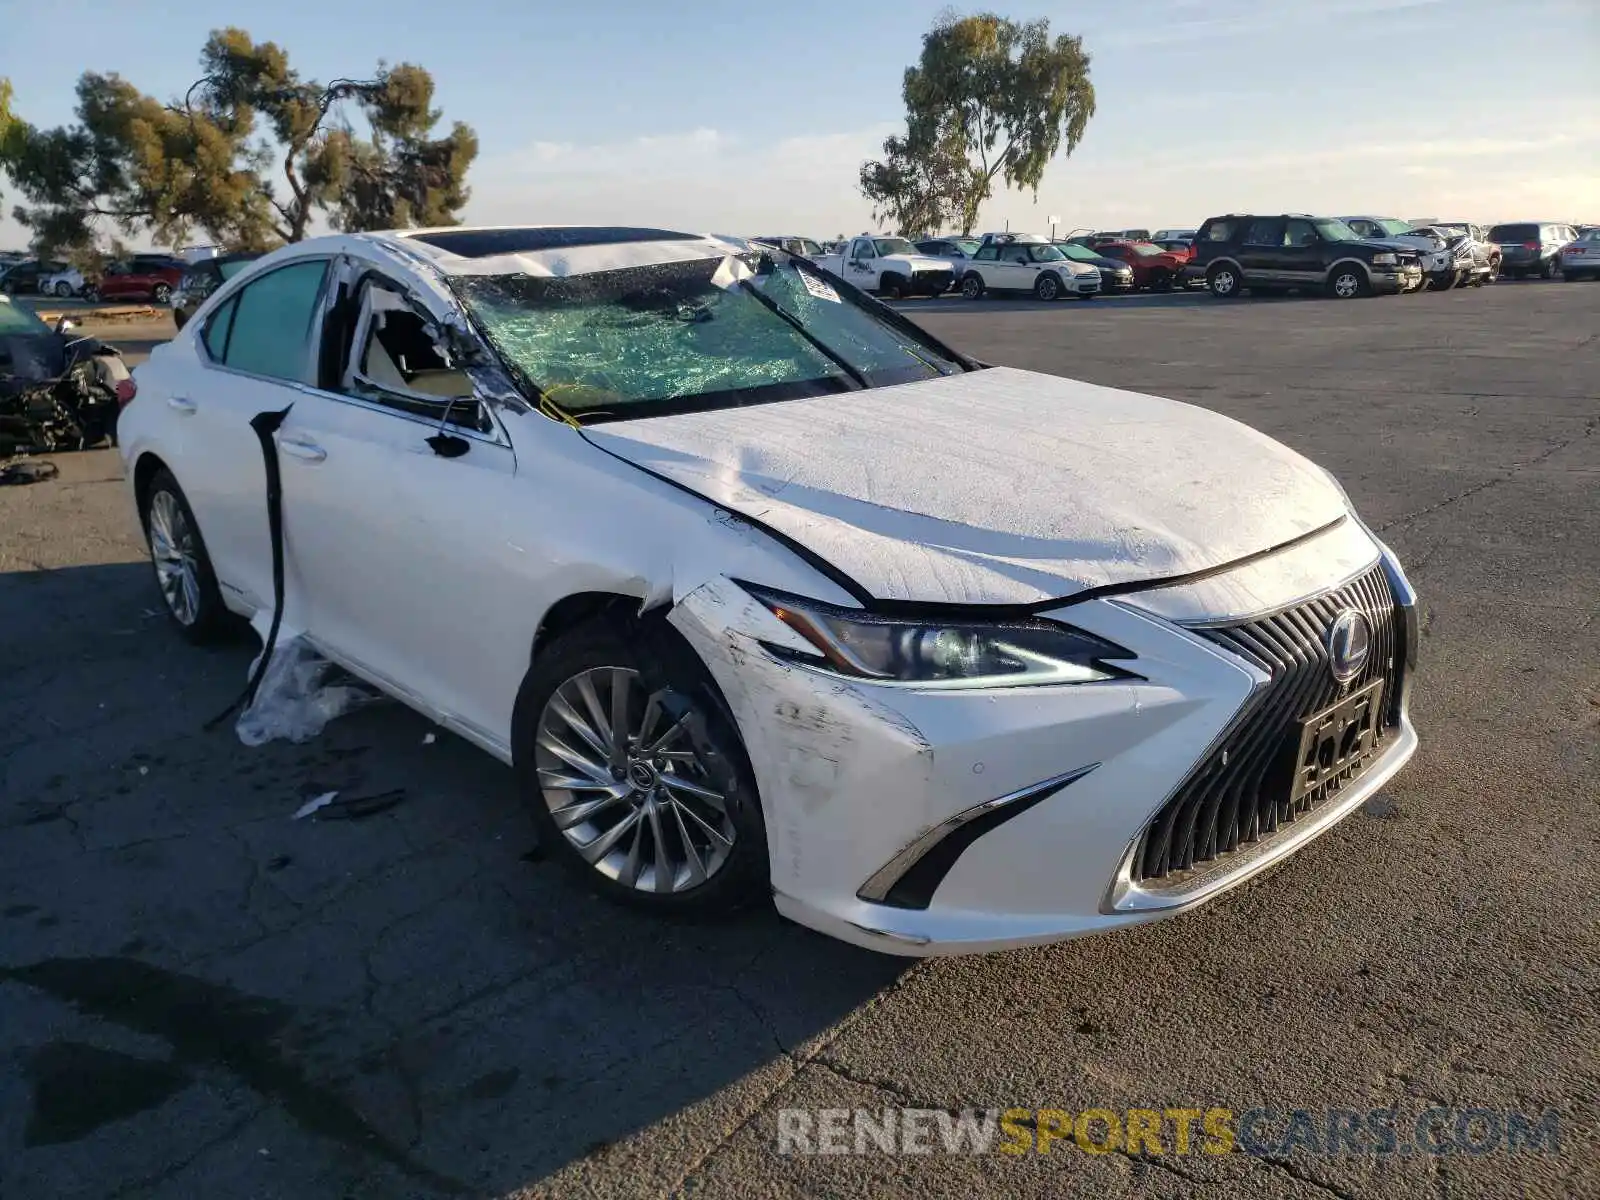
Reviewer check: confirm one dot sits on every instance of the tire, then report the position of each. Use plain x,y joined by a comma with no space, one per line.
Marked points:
1448,283
972,285
184,576
638,801
179,318
1349,281
1494,271
9,287
161,293
1161,281
1224,281
91,293
1047,287
1547,270
63,289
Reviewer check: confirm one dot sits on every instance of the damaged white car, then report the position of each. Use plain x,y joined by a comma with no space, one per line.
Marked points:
759,587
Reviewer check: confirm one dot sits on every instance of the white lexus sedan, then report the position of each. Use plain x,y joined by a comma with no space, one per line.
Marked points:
759,587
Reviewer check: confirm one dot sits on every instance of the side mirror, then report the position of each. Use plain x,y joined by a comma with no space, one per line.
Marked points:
65,324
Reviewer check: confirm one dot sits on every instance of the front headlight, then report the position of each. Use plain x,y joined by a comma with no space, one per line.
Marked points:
941,653
1384,260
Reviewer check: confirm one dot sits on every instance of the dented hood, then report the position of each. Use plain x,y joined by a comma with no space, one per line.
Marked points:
993,487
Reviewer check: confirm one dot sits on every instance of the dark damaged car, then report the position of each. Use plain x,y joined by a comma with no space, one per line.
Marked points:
58,390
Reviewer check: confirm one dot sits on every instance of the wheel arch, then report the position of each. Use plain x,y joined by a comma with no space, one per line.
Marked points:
1333,267
1225,260
578,609
144,470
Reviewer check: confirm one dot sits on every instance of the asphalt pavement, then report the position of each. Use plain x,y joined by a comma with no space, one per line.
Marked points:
200,996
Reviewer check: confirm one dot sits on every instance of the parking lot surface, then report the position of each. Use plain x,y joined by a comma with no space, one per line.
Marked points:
200,996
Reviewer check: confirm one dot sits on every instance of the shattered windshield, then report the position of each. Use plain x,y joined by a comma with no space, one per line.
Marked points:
709,333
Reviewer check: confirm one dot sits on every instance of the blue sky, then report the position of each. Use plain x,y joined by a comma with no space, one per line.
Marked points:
745,118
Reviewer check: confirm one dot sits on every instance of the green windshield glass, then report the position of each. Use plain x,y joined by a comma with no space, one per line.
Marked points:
622,343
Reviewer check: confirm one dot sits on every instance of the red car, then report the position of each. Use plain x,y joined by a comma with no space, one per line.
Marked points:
1154,268
142,277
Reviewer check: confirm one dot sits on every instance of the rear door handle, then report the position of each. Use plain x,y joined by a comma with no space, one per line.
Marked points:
308,451
187,407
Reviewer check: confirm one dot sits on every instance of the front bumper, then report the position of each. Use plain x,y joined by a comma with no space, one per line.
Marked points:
1394,280
858,781
1083,285
932,283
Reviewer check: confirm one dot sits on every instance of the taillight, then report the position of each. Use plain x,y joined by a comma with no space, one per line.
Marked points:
127,389
1530,245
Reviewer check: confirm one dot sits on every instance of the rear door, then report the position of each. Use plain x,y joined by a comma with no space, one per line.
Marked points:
1260,253
254,355
1301,261
117,281
397,549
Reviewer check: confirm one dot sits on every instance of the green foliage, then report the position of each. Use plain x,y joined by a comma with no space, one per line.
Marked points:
212,161
989,98
915,190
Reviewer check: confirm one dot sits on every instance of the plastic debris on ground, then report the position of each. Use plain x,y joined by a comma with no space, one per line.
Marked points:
23,470
328,806
312,805
296,698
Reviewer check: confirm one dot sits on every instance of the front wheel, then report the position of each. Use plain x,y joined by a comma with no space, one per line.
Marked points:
972,286
1224,282
1348,282
1161,281
1048,287
636,780
161,293
183,567
63,289
91,293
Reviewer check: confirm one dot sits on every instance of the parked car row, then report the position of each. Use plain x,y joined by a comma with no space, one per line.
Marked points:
1359,256
141,277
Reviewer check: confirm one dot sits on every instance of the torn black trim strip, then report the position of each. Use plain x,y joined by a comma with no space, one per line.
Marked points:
265,425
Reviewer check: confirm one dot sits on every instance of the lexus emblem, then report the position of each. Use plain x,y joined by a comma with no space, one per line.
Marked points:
1349,642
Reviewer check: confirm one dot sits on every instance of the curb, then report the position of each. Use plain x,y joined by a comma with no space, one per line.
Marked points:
125,313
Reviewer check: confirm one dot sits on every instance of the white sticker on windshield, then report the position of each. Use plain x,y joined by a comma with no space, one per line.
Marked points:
820,288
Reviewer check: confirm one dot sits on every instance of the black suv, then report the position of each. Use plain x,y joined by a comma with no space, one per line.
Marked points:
1296,251
204,277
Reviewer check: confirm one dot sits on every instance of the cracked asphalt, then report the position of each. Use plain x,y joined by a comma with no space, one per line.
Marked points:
202,997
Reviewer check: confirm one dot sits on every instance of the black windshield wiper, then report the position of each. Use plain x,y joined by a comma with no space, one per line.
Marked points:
798,326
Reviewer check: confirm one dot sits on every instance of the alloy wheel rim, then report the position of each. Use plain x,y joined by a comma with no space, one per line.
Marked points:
1224,281
1047,289
626,786
172,550
1345,286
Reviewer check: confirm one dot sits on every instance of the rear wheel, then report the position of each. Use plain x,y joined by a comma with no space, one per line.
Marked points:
182,566
63,288
636,779
161,293
1224,281
1047,287
972,286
